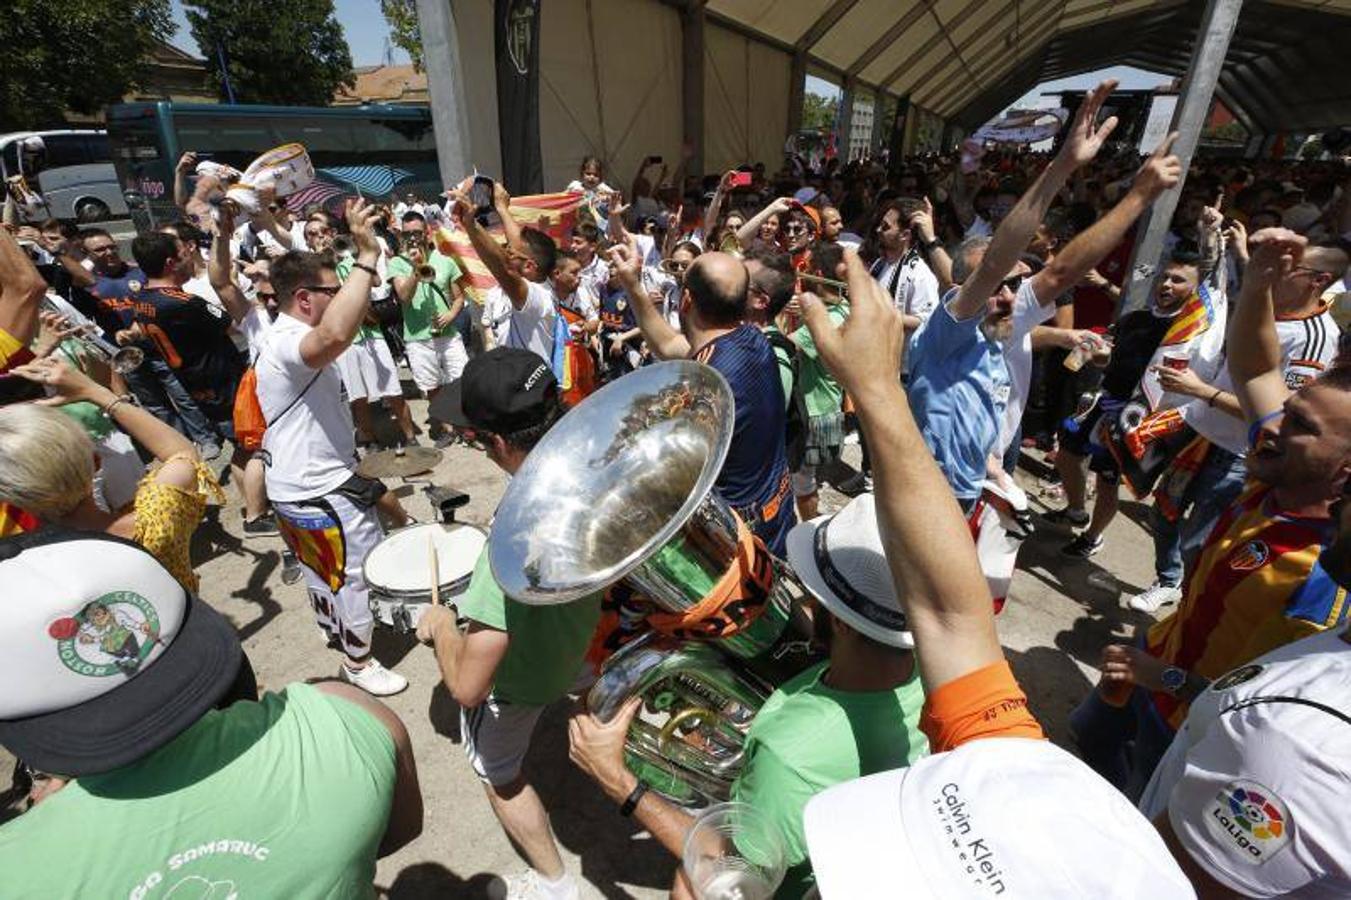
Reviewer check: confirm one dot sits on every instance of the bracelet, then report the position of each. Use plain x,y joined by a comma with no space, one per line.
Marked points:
108,410
1213,397
365,268
631,803
929,246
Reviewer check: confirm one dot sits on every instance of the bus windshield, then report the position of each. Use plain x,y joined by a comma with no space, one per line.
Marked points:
375,151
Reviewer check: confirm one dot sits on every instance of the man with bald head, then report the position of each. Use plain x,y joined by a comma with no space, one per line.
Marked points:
713,330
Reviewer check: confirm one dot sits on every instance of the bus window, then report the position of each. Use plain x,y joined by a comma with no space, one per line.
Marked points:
10,158
64,150
97,148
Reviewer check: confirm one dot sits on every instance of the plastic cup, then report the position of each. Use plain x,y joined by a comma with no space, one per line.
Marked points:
733,852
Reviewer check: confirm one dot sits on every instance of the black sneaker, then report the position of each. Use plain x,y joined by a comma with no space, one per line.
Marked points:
1082,547
263,526
1076,518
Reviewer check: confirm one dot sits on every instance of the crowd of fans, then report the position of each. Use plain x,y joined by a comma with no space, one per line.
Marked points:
956,317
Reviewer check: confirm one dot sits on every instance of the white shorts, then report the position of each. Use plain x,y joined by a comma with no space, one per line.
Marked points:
436,362
496,733
331,536
368,371
496,737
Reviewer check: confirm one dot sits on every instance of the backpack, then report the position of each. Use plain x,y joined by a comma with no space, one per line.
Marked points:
795,437
248,413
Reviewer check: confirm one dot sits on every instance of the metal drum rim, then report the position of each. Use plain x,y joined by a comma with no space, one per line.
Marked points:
655,376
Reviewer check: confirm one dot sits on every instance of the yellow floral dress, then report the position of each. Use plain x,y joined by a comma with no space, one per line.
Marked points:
167,516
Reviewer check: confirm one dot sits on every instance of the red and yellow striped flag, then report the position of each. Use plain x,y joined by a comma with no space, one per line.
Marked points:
554,214
14,520
317,542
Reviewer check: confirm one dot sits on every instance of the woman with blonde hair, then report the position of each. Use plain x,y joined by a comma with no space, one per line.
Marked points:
47,466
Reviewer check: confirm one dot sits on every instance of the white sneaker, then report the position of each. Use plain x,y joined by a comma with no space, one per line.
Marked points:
374,679
1153,597
530,885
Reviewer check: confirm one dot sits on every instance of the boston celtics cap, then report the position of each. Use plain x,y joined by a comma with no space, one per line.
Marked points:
104,657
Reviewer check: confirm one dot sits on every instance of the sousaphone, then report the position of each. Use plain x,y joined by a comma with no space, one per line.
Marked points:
618,497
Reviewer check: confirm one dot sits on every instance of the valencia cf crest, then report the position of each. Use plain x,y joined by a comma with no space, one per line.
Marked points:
1251,556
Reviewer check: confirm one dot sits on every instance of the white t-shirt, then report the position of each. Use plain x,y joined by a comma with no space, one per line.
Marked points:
594,275
312,446
496,315
911,283
979,227
1308,346
532,326
1027,315
1258,795
255,328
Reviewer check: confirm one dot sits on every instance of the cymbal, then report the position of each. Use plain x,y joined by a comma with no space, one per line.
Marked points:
399,463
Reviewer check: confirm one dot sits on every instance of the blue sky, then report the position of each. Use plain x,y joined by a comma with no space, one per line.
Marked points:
361,21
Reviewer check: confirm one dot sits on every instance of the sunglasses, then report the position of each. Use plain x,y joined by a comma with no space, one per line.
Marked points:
471,438
329,289
266,296
795,228
1013,282
273,207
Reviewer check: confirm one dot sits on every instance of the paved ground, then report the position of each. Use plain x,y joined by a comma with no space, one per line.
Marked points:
1053,629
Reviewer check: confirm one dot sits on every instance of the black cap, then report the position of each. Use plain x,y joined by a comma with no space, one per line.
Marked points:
503,391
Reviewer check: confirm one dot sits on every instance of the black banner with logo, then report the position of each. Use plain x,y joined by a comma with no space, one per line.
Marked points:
516,37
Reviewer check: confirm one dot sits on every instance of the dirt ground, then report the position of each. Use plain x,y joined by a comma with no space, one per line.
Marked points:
1053,628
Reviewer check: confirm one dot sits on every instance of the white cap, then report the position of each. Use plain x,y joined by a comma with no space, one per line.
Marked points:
840,560
998,817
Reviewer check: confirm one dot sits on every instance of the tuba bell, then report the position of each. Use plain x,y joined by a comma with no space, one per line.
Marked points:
703,608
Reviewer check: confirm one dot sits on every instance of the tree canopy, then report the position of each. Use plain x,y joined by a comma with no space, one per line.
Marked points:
275,51
75,55
403,28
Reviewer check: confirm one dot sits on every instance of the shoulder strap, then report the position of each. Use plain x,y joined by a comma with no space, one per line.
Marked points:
292,405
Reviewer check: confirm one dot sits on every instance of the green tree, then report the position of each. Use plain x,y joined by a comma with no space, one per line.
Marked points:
78,55
289,52
403,28
817,111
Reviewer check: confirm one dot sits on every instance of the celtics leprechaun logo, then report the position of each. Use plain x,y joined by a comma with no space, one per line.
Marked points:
109,636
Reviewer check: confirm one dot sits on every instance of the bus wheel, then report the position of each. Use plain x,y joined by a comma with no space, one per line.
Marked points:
91,211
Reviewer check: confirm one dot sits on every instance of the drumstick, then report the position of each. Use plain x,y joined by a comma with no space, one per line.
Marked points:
436,574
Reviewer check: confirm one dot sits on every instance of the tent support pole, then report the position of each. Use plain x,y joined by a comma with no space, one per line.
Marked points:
450,111
1189,117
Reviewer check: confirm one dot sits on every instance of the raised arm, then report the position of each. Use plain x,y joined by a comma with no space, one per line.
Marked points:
21,290
489,251
927,541
1159,173
269,223
1010,240
511,229
665,341
940,263
186,163
326,341
1254,351
220,270
747,232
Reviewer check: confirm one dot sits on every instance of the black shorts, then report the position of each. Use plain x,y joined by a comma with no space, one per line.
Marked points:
1079,442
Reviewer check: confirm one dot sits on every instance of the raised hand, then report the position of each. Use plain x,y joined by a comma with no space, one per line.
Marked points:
187,162
1160,172
1275,252
865,352
1085,137
922,221
66,383
361,217
627,263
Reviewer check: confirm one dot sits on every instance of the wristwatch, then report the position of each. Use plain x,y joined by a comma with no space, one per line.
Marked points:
930,245
1174,680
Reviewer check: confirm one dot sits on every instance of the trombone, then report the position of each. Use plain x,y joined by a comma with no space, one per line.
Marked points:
121,359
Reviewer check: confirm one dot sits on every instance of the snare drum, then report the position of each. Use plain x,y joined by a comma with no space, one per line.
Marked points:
398,570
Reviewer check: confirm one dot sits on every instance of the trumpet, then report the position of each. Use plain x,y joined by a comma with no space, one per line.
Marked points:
342,245
426,274
839,286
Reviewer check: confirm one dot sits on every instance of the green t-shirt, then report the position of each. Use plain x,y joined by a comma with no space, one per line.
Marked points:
821,393
784,357
808,737
548,643
365,332
429,300
286,797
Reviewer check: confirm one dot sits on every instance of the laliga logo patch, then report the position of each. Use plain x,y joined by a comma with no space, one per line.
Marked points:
1253,555
1251,818
134,286
112,635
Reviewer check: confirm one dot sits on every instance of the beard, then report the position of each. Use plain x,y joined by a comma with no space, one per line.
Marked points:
998,330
